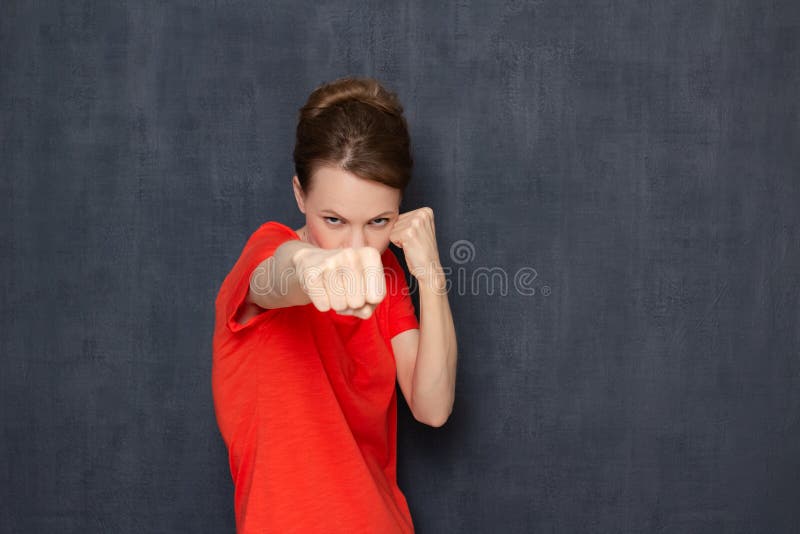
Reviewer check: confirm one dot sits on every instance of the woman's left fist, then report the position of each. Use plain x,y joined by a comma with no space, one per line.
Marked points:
415,233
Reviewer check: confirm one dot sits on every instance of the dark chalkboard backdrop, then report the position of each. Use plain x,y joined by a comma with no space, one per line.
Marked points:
616,188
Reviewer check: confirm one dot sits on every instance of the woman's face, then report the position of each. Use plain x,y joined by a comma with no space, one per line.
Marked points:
343,210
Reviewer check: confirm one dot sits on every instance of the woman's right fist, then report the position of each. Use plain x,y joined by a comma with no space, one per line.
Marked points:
347,280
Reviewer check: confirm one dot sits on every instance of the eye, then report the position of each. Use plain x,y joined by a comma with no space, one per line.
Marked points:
384,219
335,219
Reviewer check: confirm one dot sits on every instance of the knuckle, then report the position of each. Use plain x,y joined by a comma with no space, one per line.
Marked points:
350,254
369,254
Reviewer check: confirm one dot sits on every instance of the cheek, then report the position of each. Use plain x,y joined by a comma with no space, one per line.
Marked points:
380,242
321,236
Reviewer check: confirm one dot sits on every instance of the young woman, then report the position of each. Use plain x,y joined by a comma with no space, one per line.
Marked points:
314,325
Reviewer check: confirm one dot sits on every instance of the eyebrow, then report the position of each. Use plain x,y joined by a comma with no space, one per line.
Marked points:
344,218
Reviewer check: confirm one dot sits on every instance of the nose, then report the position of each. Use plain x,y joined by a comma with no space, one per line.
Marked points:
357,239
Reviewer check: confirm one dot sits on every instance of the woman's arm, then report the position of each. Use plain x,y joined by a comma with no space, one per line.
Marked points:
274,283
434,380
299,273
426,358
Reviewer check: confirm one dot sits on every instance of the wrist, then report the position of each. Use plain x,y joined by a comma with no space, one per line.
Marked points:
296,249
431,277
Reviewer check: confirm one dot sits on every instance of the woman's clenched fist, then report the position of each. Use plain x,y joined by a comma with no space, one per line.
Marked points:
347,280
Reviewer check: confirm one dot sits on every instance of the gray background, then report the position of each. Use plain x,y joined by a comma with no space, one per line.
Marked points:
641,157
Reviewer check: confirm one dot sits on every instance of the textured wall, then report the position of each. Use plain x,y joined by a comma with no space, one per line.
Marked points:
637,162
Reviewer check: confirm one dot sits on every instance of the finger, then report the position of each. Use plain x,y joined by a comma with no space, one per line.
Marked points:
356,283
314,287
396,235
335,287
375,279
365,312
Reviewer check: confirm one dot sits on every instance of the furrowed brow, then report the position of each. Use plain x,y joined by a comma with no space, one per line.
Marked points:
344,219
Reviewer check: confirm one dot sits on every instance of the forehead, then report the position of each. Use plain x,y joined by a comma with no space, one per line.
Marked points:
350,196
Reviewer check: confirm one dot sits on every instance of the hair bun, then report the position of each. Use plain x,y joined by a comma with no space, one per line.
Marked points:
351,89
358,126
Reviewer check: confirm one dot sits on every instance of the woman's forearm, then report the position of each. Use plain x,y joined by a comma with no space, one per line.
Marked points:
435,368
274,283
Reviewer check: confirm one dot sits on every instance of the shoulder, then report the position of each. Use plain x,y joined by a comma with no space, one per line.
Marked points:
274,227
270,232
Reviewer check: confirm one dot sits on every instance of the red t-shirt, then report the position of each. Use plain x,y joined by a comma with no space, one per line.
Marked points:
306,403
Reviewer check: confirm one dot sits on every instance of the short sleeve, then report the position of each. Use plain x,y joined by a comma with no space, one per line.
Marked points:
401,313
233,292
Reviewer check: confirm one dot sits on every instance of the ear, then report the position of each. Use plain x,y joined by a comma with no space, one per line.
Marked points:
299,196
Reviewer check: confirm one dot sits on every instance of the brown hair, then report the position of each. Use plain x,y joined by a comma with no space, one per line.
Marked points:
354,124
